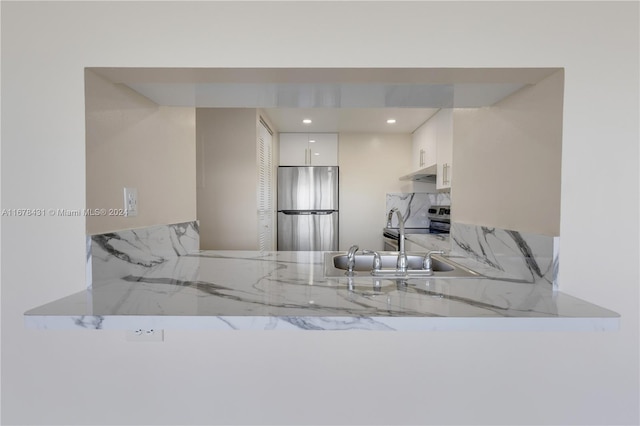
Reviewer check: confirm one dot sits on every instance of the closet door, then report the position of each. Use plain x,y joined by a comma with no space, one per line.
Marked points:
265,192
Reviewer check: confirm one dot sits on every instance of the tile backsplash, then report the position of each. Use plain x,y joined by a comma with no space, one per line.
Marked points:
529,257
137,251
149,251
413,207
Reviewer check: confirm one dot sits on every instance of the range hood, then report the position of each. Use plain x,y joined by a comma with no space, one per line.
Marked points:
428,174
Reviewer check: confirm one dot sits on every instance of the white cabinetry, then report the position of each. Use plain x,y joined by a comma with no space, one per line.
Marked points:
432,151
308,149
424,146
444,151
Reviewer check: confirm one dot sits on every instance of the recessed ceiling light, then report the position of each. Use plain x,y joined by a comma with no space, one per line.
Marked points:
391,121
307,121
312,141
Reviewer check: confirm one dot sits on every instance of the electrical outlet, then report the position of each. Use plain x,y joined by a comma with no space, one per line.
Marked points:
131,202
145,335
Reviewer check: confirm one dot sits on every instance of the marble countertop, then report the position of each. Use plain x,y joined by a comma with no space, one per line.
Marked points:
431,241
288,290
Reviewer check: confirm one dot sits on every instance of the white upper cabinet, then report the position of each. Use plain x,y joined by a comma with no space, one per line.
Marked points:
432,150
424,142
324,151
294,149
444,125
308,149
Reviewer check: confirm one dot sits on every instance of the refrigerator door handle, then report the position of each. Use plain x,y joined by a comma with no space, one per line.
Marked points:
302,212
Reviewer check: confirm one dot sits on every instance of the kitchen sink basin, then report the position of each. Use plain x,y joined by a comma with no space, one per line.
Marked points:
335,265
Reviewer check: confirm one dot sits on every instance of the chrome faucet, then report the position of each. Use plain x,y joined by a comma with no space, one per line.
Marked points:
389,216
427,262
351,258
402,264
377,262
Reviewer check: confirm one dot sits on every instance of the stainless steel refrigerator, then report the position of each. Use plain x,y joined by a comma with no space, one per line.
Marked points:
307,208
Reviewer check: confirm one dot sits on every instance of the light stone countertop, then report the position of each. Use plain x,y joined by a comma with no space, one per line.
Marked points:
242,290
431,241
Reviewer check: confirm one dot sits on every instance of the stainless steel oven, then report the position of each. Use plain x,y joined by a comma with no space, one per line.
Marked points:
439,219
439,223
391,239
391,236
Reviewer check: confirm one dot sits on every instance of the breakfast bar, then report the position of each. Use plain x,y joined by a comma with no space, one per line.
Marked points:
252,290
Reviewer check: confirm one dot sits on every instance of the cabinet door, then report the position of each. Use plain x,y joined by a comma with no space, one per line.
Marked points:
445,148
323,149
417,151
424,142
293,149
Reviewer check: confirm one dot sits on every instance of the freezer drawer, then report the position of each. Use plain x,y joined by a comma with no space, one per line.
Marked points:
307,231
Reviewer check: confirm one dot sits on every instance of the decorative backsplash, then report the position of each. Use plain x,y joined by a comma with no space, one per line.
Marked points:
135,252
530,257
414,206
149,252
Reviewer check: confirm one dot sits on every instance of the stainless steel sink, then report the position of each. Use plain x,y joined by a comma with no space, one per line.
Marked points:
335,265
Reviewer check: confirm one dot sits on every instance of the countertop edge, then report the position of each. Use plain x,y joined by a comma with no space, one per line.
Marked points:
320,323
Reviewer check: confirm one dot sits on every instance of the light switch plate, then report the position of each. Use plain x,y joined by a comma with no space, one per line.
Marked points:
131,202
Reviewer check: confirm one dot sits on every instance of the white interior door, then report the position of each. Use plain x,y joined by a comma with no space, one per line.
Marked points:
266,217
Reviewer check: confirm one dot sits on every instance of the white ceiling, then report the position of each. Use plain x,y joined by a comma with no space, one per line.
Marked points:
336,99
349,120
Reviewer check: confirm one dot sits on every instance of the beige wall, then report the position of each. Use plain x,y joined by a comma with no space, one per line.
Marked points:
227,175
81,377
133,142
370,167
227,170
507,161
